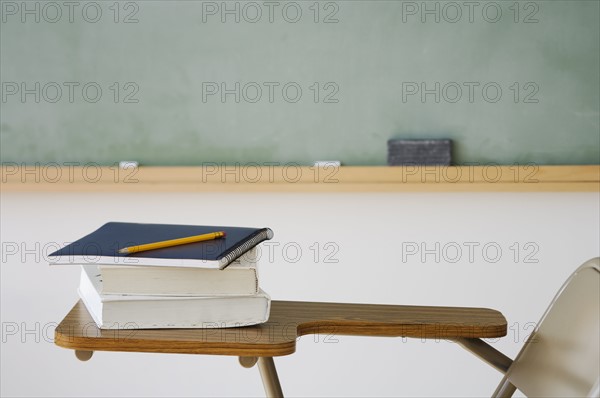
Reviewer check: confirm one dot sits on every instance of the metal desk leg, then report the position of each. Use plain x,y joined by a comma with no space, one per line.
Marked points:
83,355
494,358
487,353
269,377
248,362
504,390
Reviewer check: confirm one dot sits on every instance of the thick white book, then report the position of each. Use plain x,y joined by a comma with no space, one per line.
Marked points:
160,312
239,278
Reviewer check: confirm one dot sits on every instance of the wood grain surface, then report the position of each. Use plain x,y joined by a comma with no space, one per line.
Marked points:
288,321
490,178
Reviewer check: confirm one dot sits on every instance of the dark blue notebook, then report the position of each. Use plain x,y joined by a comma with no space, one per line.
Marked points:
101,246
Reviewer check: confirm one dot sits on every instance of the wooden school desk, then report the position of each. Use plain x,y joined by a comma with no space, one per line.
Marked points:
288,320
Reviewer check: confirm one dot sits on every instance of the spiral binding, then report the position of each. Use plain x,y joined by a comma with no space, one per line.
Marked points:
236,252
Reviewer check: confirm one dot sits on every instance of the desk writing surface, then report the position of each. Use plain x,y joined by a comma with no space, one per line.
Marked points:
288,321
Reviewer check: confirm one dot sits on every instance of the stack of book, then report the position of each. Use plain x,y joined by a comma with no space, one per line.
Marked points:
208,284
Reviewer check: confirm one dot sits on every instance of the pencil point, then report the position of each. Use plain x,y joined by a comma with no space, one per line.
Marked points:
123,251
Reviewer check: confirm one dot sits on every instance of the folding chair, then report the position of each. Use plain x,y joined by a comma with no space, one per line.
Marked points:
561,358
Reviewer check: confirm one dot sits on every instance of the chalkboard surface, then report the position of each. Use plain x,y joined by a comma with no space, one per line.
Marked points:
187,82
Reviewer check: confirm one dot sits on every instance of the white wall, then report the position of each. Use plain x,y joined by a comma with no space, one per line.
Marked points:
368,230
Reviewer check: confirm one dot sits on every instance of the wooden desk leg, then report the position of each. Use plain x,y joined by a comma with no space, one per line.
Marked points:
269,377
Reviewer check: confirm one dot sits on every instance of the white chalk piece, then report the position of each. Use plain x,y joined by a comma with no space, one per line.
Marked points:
328,163
128,164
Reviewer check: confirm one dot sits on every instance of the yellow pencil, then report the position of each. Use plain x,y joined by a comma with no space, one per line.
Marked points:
172,242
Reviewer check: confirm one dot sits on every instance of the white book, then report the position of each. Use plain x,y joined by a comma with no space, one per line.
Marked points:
160,312
239,278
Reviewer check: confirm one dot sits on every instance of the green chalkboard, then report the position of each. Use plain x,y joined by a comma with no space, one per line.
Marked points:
187,82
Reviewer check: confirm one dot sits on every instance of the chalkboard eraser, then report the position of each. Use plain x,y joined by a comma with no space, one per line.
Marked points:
128,164
419,152
328,163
